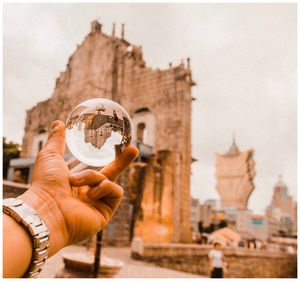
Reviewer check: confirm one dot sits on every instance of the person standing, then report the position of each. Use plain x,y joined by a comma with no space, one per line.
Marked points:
215,261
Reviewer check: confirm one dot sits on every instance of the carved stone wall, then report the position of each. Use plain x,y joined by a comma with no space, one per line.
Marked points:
151,189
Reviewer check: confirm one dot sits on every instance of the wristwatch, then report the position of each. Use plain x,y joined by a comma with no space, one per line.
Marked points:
36,227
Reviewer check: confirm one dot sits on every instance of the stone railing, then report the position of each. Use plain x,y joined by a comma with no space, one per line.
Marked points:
241,262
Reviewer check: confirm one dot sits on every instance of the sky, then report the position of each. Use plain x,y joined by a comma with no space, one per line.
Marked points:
243,59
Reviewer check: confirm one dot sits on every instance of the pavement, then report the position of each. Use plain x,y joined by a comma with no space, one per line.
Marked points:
131,268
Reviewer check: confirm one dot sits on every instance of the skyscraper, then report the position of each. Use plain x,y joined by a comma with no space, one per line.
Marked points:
283,208
234,174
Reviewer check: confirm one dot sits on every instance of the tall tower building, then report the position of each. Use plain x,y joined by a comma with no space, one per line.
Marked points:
234,174
283,208
281,199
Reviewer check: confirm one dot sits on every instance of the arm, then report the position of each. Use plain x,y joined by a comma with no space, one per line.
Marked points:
68,219
15,238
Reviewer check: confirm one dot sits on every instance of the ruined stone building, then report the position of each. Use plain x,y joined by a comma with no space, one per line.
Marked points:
157,187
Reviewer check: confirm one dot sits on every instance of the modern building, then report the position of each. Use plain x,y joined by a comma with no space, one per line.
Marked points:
259,227
282,210
235,174
194,217
206,214
273,226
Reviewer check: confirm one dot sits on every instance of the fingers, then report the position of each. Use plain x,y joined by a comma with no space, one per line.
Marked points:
57,138
115,168
112,171
110,194
107,189
105,198
86,177
102,185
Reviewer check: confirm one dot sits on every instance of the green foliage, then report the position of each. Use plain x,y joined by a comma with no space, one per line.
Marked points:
11,150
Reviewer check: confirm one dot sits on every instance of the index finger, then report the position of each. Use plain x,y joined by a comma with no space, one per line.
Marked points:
115,168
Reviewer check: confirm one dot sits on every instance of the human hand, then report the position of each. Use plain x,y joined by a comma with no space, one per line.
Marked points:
70,219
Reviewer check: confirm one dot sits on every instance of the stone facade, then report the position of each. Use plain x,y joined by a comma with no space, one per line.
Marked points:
234,174
150,186
159,102
117,233
242,263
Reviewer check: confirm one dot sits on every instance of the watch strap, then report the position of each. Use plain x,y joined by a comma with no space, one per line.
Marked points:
36,227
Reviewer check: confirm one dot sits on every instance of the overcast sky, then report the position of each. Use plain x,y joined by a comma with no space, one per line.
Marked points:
243,58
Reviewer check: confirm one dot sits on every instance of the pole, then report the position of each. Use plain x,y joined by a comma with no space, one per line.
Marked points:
97,254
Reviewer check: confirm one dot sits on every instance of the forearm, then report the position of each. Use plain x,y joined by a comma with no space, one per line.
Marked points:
17,248
18,243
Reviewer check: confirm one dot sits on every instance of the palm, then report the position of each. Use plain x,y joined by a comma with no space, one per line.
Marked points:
79,213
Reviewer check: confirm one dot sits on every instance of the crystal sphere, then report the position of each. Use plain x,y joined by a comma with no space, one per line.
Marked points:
98,130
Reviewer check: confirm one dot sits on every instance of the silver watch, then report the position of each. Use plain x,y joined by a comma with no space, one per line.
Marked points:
28,217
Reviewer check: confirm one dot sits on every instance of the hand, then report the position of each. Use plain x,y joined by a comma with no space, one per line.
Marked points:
70,219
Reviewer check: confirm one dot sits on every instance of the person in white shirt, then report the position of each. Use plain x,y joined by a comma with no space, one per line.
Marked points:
215,261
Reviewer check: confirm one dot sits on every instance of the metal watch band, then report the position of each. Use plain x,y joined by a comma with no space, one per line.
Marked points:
38,230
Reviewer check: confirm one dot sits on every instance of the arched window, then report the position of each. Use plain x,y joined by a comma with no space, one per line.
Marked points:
144,124
141,132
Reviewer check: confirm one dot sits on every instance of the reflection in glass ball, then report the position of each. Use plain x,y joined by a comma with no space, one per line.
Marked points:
98,130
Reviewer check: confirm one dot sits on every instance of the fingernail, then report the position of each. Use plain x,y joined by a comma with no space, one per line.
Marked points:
54,125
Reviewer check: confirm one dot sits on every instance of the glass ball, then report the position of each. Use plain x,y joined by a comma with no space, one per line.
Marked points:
98,130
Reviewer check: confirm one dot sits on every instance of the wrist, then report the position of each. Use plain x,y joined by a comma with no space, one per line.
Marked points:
48,210
15,237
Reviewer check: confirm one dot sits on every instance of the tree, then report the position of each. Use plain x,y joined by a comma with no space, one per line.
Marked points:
11,150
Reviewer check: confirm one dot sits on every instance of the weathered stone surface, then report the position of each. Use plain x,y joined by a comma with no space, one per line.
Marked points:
241,262
152,187
117,232
110,67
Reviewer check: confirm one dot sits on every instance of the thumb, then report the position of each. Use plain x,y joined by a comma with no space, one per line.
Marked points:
57,138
